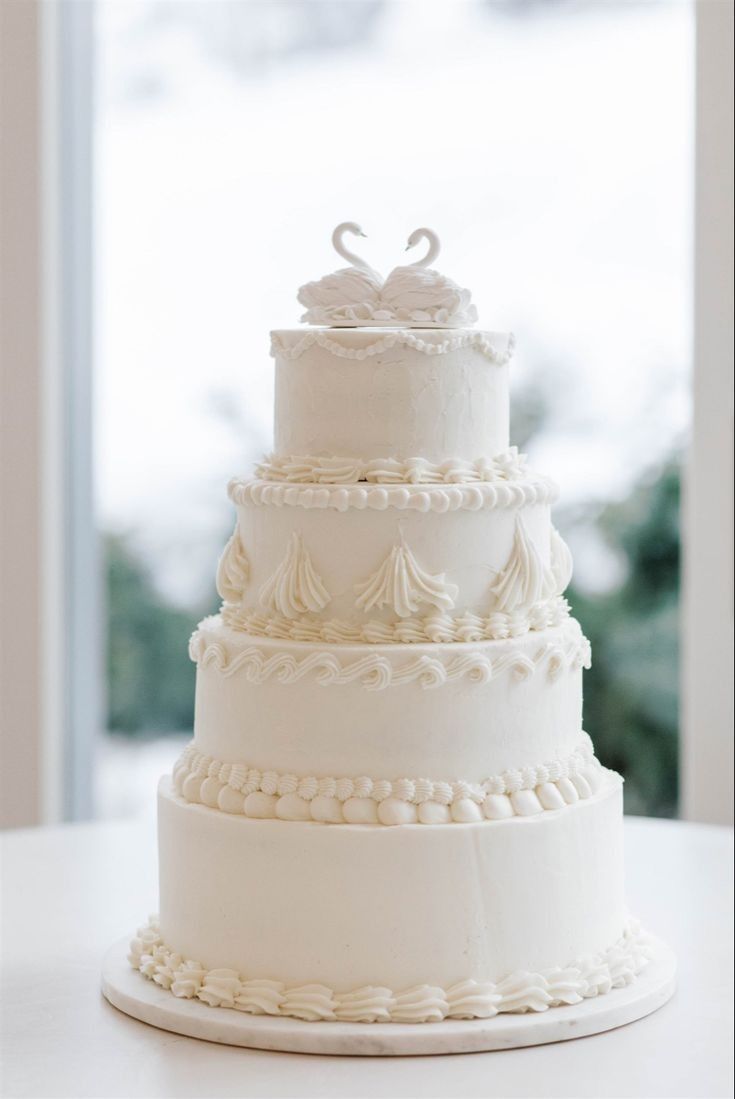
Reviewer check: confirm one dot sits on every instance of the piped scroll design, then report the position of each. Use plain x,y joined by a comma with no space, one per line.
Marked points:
584,978
378,670
295,587
401,584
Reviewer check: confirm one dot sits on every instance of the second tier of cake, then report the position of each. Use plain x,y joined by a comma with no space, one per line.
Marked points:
444,710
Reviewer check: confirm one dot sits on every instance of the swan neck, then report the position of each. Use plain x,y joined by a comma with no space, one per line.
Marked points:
342,250
433,251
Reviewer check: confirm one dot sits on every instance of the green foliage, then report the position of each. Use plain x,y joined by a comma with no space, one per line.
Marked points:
150,679
631,691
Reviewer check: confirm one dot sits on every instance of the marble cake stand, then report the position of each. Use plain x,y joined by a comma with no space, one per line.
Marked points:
128,991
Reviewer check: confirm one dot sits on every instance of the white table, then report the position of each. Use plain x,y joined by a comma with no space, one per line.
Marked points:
69,892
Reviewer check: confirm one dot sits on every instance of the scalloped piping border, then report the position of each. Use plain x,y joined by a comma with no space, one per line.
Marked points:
434,629
376,671
307,469
584,978
424,498
401,338
247,791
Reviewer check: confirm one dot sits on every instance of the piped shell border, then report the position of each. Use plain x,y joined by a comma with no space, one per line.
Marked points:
312,470
477,496
239,789
434,629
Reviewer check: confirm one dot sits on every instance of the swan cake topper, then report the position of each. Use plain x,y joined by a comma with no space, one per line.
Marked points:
413,296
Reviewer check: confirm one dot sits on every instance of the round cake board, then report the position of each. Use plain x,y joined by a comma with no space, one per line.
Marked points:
130,992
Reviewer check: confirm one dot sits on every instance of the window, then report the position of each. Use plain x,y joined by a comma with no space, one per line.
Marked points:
550,145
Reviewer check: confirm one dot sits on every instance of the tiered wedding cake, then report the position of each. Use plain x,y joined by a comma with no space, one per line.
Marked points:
389,811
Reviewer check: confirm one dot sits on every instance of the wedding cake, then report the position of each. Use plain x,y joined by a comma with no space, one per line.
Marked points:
389,811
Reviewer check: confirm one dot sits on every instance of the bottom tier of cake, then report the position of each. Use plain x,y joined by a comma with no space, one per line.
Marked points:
407,924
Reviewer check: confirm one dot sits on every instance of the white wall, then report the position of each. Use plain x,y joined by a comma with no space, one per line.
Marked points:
21,395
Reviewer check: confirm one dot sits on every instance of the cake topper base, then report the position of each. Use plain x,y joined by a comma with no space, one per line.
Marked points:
128,991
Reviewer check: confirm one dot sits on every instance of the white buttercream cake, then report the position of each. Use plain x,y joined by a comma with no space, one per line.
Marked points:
389,811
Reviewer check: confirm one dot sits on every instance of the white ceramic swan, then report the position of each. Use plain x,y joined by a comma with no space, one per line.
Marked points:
348,296
416,294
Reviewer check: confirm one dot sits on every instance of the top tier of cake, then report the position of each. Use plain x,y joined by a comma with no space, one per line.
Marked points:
368,393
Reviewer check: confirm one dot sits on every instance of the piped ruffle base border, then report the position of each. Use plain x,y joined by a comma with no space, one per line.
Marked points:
522,992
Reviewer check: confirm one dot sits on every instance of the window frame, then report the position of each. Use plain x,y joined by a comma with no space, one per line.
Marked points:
50,670
706,735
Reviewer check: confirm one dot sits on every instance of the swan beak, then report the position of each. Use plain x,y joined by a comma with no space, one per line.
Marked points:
360,233
408,247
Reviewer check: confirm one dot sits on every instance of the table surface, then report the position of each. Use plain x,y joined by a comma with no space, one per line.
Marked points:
69,892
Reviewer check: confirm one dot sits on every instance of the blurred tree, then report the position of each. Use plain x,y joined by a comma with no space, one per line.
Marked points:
150,679
631,691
